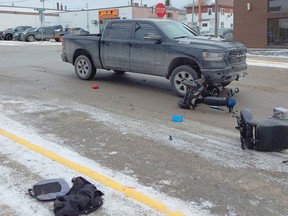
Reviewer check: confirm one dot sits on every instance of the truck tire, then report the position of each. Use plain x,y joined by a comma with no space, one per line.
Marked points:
30,38
179,74
9,37
84,68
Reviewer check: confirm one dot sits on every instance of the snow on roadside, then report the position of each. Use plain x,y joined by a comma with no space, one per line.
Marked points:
216,145
23,43
116,203
253,62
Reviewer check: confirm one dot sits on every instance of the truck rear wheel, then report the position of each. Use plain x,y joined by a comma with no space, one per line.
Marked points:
84,68
179,74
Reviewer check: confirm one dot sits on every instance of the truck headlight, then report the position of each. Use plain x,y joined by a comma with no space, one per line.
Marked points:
213,56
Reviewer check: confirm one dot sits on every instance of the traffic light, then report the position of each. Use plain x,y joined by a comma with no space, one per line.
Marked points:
167,2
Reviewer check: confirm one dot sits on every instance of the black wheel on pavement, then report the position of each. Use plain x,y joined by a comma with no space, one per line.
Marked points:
179,74
30,38
84,67
182,105
9,37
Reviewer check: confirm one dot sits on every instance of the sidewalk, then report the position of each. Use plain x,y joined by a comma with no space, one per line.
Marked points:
268,52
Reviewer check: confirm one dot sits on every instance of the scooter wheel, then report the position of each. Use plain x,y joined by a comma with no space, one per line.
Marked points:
183,105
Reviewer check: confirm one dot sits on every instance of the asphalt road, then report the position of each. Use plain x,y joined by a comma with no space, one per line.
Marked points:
126,126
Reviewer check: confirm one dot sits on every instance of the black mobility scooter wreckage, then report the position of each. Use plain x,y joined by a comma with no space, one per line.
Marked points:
265,135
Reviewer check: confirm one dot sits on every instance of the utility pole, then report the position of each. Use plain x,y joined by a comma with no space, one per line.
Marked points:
192,14
42,17
216,18
87,17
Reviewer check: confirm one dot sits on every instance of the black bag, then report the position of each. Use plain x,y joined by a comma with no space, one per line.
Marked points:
83,198
266,135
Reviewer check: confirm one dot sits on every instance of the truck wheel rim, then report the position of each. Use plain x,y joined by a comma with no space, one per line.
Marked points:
83,68
179,78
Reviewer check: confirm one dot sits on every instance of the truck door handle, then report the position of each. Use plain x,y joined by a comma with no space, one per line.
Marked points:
135,45
107,43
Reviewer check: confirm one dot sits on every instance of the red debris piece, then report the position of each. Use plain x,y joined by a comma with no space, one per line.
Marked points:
95,86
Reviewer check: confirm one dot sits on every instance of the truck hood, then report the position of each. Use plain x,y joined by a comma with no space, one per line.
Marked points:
214,43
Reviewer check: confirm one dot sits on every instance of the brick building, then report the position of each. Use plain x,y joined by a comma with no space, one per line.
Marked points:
204,14
261,23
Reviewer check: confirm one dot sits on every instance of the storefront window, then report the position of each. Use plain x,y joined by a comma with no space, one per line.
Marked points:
278,32
278,6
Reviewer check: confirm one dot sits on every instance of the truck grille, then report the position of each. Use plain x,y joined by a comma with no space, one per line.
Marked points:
237,56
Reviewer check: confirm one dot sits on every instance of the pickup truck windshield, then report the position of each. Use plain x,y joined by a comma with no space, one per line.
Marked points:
176,30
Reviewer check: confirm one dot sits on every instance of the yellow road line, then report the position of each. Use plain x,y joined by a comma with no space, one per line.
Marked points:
130,192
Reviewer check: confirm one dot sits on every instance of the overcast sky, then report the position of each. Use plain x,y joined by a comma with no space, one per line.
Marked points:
74,4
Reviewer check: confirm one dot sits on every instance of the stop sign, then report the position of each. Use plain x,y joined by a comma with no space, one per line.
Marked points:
160,10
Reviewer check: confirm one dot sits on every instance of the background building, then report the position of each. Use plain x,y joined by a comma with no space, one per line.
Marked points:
11,17
92,20
204,14
261,23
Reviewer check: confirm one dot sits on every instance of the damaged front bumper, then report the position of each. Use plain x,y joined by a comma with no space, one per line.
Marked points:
232,73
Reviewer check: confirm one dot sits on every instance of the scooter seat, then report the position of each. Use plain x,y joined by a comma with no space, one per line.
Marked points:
247,117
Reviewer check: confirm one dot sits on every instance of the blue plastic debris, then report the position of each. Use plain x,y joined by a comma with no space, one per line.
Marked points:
177,118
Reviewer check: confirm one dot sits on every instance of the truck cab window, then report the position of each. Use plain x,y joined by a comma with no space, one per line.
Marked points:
143,29
176,30
120,30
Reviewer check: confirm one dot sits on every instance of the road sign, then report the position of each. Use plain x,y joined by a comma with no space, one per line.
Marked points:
160,10
41,17
39,9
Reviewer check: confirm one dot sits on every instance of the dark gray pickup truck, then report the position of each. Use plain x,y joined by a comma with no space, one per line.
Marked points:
156,47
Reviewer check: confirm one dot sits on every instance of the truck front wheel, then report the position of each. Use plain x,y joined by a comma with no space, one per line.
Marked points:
179,74
84,68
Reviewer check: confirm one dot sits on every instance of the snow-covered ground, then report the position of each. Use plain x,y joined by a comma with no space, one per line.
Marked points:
36,43
20,166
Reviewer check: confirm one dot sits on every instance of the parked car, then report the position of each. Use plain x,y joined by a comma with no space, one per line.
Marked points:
156,47
224,33
1,33
18,36
45,33
74,31
8,34
57,27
